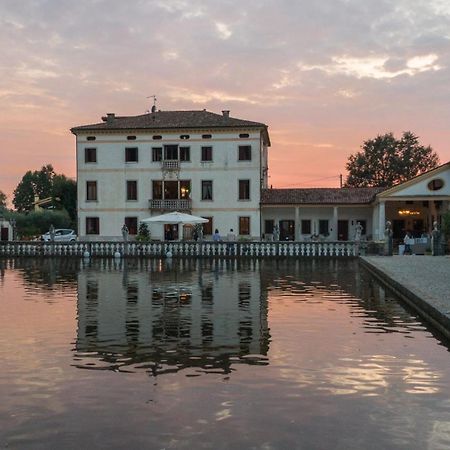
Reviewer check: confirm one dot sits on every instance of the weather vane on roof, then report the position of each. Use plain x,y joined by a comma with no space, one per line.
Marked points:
154,102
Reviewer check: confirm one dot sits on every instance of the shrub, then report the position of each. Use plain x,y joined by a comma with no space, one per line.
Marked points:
38,222
143,233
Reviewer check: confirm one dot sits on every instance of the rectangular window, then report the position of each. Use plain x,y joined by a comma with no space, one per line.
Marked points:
208,226
156,153
244,225
92,225
207,154
185,154
268,226
157,189
90,155
207,190
244,189
132,225
131,154
185,189
306,227
245,153
323,227
131,190
171,152
91,190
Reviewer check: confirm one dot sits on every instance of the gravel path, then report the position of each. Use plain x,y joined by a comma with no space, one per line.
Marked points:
428,277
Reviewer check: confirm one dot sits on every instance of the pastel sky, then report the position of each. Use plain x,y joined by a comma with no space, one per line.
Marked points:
324,75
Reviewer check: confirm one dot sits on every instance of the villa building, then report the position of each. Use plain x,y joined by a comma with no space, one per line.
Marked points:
333,213
215,166
206,164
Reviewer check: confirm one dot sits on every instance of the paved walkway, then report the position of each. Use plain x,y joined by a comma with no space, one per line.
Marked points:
423,280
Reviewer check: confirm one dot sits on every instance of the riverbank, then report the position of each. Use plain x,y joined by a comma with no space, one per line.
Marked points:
421,281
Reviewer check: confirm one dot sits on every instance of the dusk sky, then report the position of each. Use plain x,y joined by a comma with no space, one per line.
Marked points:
323,75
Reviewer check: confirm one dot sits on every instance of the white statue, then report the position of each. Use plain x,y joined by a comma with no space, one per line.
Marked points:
358,231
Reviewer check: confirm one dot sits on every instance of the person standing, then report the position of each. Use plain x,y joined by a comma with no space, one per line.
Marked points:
216,235
407,241
231,236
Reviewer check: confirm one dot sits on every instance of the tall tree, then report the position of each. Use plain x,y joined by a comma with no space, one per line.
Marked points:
42,184
2,201
385,161
65,190
24,193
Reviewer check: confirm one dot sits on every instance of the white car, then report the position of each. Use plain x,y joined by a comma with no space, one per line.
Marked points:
61,235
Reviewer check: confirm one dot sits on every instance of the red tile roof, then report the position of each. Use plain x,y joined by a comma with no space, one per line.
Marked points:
324,196
169,120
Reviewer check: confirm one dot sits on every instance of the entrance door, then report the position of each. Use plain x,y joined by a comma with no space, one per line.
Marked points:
287,230
398,229
342,230
4,234
171,232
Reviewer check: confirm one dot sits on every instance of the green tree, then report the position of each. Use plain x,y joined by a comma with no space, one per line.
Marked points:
385,161
46,183
35,223
2,201
33,184
65,190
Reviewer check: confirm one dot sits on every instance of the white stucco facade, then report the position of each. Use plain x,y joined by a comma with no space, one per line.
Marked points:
182,181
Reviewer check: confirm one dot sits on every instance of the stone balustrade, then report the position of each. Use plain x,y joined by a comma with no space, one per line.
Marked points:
182,249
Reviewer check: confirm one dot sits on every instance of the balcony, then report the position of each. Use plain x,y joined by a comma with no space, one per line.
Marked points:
184,204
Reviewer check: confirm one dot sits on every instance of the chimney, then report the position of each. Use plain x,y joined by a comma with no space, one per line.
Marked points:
109,119
226,113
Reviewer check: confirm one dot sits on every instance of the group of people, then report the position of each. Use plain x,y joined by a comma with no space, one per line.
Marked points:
231,236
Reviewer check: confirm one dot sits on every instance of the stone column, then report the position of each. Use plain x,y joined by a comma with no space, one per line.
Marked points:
381,219
334,224
297,223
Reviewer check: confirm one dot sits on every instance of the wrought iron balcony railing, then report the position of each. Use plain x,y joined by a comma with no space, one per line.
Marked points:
184,204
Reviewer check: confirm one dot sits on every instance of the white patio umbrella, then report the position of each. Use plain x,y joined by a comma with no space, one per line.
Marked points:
175,217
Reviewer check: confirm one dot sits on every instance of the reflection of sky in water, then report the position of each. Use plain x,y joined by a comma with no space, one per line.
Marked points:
214,354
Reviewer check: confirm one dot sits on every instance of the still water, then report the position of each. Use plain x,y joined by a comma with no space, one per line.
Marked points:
195,354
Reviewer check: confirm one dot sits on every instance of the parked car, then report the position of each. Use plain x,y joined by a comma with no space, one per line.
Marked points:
61,235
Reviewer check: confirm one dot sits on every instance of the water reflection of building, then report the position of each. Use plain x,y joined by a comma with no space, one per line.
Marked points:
196,315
